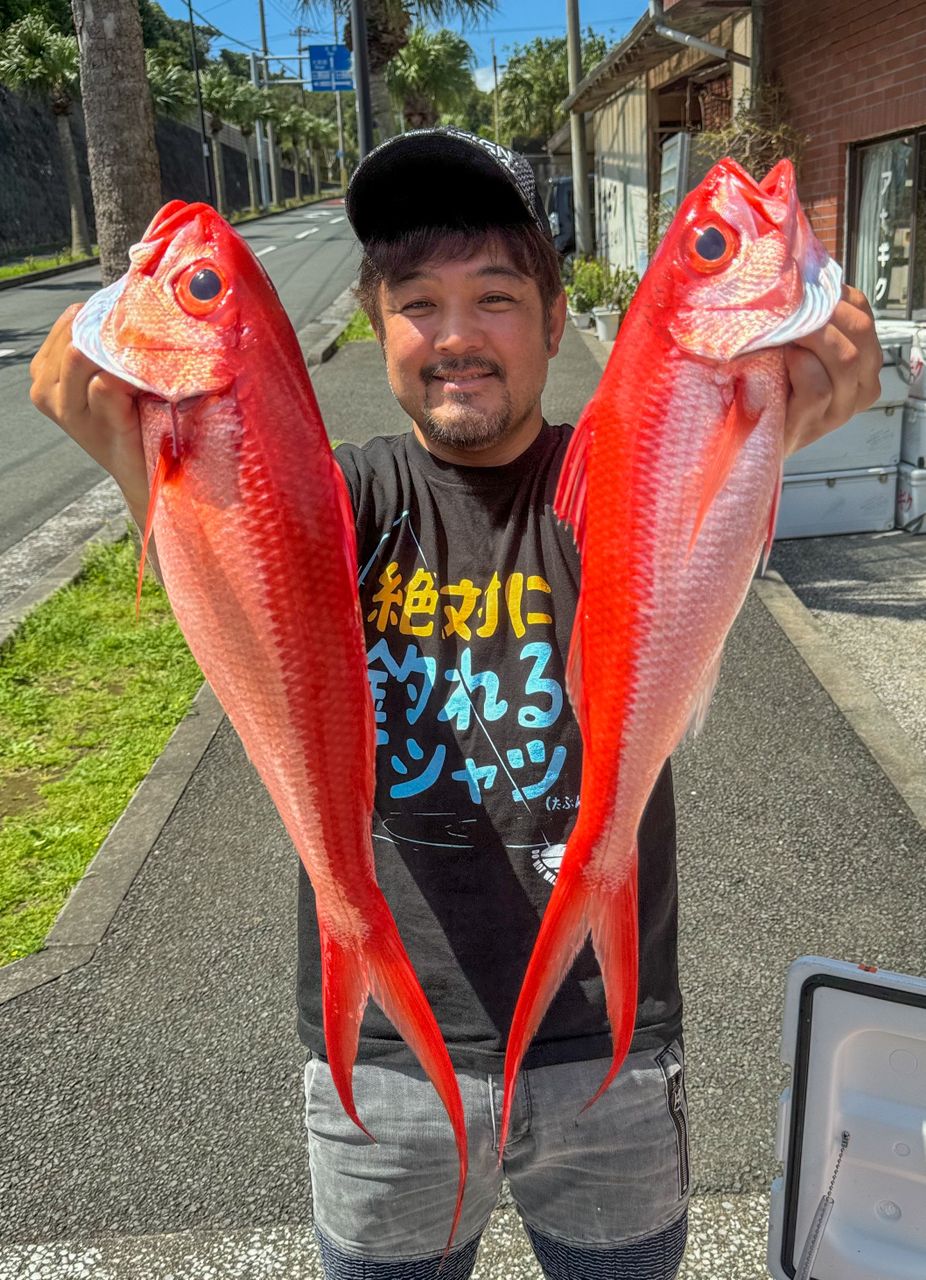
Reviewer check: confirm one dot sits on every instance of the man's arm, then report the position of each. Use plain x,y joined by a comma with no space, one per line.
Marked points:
834,373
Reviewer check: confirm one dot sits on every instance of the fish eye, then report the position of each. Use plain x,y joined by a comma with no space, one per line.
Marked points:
200,288
710,247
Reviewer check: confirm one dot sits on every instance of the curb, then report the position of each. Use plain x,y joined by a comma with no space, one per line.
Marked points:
15,281
98,895
62,575
319,339
899,758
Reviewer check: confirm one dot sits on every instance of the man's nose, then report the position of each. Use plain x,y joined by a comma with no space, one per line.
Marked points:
460,330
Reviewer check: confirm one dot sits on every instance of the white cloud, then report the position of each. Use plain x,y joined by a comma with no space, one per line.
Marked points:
485,80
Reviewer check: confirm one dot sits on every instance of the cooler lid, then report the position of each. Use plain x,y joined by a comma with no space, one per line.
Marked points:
855,1039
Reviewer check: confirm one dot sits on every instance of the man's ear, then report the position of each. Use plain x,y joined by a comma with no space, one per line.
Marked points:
557,324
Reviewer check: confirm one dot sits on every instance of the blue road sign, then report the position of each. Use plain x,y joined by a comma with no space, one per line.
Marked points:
329,67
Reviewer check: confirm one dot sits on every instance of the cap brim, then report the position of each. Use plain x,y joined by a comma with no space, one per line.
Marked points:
431,180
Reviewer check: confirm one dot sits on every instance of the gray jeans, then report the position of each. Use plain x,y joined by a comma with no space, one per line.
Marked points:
587,1181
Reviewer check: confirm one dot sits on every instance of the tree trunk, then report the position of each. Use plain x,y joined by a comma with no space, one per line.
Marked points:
124,171
80,238
274,164
252,186
384,122
316,172
297,169
218,170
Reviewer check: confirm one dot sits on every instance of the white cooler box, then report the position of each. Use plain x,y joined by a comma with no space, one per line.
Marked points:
911,503
913,441
870,439
851,1201
856,501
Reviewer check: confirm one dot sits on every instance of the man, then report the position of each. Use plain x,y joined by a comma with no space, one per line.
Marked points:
468,588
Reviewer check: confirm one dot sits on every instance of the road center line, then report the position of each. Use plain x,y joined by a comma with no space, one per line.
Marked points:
334,220
302,234
8,351
269,249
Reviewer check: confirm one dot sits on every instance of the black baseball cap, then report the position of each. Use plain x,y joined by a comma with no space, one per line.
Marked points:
442,177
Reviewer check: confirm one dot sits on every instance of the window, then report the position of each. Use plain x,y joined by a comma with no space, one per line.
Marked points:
888,252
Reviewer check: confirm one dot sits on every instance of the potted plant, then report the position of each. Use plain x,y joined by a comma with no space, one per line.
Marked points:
585,290
620,286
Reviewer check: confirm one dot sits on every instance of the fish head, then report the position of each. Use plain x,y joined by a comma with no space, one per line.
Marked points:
741,269
176,324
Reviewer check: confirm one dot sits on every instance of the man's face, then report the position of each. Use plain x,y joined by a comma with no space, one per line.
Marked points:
467,346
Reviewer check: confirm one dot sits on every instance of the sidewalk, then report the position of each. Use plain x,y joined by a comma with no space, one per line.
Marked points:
151,1108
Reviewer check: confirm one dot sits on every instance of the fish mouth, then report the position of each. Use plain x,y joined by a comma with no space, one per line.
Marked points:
87,334
821,294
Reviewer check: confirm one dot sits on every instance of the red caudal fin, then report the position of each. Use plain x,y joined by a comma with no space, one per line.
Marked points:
380,967
575,909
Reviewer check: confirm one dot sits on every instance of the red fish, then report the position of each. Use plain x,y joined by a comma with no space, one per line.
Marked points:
671,485
251,516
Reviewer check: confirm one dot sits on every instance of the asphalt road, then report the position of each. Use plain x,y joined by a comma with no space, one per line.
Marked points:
311,256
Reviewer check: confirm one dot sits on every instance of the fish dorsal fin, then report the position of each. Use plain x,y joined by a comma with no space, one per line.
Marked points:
721,454
569,504
166,465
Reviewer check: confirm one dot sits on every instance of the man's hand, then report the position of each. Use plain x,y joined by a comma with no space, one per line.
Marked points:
834,372
97,410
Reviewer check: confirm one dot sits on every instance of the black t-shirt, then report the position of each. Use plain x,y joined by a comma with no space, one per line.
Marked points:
468,587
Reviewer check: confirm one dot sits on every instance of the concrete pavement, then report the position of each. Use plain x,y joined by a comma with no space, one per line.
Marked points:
151,1105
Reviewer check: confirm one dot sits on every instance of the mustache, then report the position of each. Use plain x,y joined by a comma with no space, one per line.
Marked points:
471,364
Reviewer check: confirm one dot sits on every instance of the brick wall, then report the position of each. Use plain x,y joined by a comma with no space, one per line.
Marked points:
853,70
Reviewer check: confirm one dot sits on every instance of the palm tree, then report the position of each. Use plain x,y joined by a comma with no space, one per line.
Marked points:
219,90
293,132
43,63
248,106
389,29
172,89
321,136
431,75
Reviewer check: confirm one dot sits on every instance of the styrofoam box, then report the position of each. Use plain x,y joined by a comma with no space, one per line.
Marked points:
913,440
911,498
870,439
857,501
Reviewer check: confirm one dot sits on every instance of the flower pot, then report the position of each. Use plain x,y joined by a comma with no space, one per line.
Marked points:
581,319
607,323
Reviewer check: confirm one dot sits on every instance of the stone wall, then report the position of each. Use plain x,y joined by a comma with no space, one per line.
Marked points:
34,213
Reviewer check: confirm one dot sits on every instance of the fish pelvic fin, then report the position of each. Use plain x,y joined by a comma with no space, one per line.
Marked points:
380,967
721,456
574,909
164,468
772,521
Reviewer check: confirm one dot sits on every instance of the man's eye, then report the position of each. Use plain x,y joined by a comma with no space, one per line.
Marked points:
497,297
418,303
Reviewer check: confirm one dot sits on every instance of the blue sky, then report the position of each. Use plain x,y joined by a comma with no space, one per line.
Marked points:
514,22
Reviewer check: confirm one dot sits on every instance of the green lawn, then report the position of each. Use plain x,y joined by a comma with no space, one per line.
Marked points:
358,330
88,698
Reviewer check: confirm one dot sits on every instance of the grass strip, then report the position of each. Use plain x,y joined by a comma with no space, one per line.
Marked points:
88,699
358,329
30,264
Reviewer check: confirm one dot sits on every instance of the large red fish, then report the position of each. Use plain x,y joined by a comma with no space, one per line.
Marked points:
252,521
671,485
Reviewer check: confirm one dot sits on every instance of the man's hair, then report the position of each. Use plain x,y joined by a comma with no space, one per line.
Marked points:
389,261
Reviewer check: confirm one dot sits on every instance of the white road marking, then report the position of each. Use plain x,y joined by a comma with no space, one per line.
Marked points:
269,249
341,219
302,234
8,351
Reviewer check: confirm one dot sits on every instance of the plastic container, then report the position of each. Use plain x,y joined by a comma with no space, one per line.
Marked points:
913,439
855,1040
856,501
911,508
870,439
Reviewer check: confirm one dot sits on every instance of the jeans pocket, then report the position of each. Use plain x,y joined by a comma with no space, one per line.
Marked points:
672,1064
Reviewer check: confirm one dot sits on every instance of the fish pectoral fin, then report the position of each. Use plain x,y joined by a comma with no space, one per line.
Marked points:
721,454
378,965
703,698
164,468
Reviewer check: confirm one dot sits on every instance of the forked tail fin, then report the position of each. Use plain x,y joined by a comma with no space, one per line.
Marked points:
574,909
380,968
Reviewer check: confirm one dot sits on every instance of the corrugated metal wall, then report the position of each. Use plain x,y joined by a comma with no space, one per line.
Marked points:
621,177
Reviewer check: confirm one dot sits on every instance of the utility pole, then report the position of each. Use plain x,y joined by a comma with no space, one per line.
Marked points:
261,141
299,33
495,77
207,167
342,167
271,136
358,26
583,221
